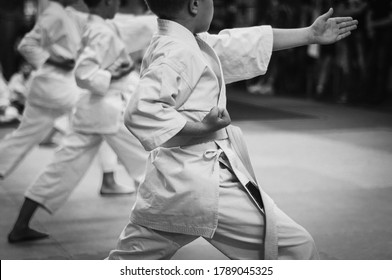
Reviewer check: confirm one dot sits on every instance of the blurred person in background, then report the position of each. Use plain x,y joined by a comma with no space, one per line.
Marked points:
350,55
379,28
311,56
4,92
279,15
324,86
136,33
8,113
135,14
19,85
102,69
17,17
51,47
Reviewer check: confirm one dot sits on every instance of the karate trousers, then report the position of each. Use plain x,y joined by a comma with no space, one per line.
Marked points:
239,234
72,160
106,156
36,124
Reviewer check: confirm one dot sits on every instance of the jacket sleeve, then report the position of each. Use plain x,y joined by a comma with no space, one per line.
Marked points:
89,73
244,52
52,36
151,114
30,47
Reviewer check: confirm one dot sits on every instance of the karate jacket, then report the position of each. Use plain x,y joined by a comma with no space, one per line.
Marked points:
54,36
100,108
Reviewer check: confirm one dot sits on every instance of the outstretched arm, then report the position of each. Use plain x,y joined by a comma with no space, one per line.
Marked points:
324,30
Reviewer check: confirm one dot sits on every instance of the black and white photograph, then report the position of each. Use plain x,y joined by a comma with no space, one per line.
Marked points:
196,130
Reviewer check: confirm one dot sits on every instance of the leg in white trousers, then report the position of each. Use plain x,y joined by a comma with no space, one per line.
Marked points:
107,158
239,234
72,160
129,151
36,123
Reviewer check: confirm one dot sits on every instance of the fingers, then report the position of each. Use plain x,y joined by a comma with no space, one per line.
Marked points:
214,111
345,28
218,112
224,114
343,19
346,23
218,118
328,14
344,35
225,119
221,111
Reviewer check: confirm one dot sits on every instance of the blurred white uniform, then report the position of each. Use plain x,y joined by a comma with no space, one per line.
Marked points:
136,32
4,92
19,87
7,113
53,90
98,116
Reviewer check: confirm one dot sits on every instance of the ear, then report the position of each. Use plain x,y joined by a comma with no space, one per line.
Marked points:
194,7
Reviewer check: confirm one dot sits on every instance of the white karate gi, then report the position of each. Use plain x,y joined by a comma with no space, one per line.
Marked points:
135,31
53,91
98,116
106,156
4,92
7,113
188,190
19,87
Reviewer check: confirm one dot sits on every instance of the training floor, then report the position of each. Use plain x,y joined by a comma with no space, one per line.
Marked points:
328,166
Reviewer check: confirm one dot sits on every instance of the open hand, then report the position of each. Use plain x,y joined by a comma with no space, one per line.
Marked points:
328,30
216,119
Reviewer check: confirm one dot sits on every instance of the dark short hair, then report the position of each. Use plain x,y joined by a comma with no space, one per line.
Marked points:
92,3
142,3
165,9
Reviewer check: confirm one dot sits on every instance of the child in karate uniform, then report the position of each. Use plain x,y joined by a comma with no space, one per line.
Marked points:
8,113
102,70
51,47
199,181
135,28
19,86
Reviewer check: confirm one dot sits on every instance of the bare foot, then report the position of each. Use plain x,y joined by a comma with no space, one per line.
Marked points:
110,187
116,190
25,234
48,141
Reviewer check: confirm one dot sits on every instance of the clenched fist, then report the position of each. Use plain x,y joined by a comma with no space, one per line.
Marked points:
216,119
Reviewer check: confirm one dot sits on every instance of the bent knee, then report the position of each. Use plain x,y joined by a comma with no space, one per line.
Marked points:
299,246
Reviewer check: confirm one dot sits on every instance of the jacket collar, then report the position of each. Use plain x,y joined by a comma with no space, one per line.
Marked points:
177,31
96,19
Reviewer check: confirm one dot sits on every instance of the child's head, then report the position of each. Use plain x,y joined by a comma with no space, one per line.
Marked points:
136,7
197,12
104,8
